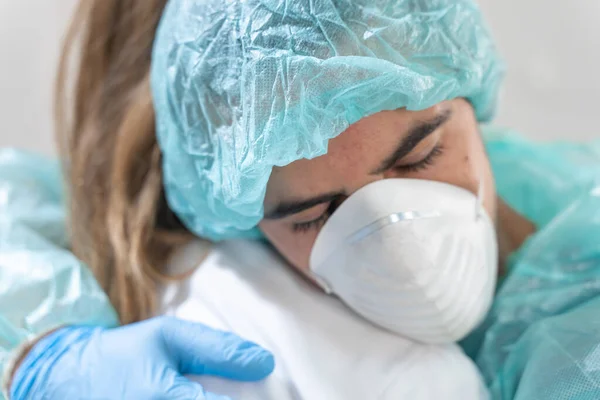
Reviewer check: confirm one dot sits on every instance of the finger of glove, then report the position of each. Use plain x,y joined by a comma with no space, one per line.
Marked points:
184,389
199,349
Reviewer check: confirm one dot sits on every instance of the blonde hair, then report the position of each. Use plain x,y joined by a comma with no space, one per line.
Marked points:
120,224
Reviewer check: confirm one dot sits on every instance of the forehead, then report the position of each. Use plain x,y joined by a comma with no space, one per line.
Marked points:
349,158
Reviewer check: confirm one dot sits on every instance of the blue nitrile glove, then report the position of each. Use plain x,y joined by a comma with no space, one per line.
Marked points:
146,360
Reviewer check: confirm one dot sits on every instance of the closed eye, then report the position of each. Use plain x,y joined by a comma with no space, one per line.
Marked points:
423,164
317,223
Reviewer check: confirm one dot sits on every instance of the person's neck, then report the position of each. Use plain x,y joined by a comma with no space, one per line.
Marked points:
513,229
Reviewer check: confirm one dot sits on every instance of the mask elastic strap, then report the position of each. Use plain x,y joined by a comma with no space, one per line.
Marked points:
480,197
326,287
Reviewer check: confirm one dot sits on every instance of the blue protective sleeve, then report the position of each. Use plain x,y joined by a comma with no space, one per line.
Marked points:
42,284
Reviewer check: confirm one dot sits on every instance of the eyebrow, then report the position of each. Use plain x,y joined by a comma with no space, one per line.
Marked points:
415,135
294,207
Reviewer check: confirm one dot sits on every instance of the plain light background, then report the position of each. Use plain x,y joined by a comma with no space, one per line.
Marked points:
552,50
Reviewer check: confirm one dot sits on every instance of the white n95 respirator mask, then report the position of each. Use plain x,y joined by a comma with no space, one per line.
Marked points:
416,257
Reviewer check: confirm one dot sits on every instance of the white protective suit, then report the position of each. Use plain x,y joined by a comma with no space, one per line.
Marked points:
323,351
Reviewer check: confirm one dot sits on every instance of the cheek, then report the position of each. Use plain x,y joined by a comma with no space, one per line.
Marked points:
295,247
482,173
464,162
475,169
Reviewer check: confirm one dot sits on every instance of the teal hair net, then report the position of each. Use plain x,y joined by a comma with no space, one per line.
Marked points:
242,86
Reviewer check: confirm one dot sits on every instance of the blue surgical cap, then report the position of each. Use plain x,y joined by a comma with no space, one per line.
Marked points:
242,86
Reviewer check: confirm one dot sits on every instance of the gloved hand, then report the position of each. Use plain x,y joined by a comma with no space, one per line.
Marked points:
146,360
